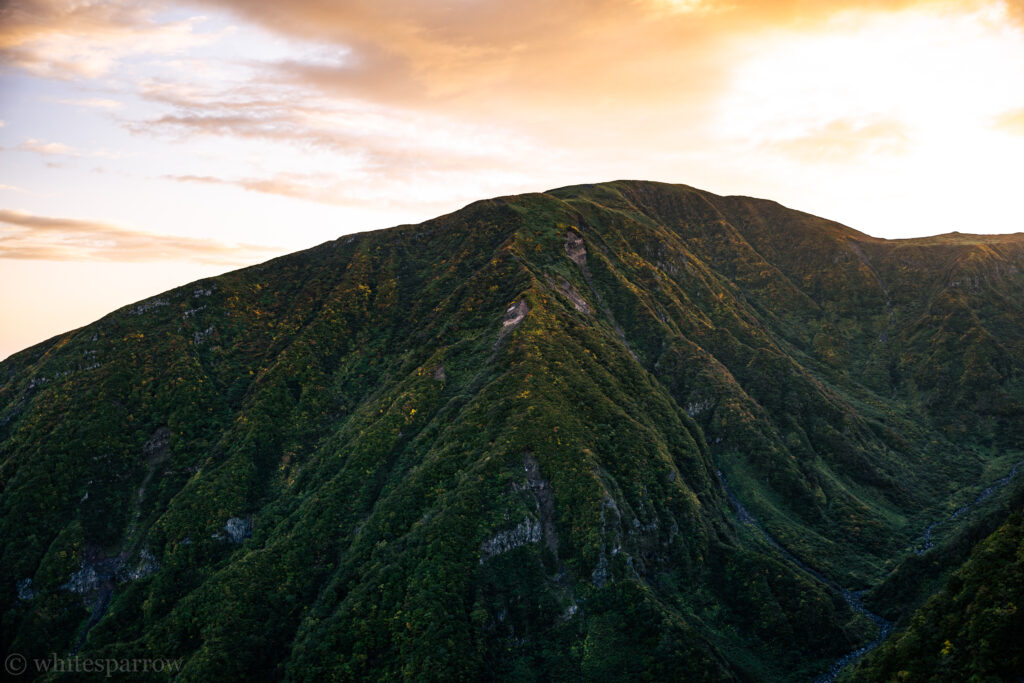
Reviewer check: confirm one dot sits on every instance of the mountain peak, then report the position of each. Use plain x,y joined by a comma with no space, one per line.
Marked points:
602,431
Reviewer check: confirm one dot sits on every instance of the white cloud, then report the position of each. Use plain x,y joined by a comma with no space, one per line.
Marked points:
93,103
48,148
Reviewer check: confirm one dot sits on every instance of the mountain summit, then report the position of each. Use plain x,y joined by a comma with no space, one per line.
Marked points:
622,431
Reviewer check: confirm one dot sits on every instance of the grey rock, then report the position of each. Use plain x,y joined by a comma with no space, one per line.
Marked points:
25,591
85,580
575,249
237,529
527,531
146,565
200,337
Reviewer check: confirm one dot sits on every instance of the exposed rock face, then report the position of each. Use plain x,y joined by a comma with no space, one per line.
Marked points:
575,249
25,591
439,373
527,531
602,573
146,565
574,297
541,489
85,580
514,315
200,337
695,408
237,530
148,305
158,448
99,571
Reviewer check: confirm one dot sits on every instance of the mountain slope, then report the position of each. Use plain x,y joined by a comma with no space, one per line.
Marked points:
497,441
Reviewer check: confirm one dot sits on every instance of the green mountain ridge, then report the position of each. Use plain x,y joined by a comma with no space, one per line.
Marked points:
490,446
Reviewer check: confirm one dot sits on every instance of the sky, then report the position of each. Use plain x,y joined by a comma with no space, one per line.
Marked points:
144,145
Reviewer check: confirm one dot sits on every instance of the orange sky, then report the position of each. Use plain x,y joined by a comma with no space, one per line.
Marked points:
145,144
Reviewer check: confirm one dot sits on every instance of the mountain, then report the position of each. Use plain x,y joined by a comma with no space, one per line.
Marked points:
626,431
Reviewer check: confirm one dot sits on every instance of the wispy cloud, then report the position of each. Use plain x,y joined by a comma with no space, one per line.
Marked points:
61,150
1011,121
388,143
48,148
64,39
28,236
319,188
845,140
94,103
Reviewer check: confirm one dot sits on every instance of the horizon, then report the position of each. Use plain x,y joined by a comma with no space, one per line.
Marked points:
147,145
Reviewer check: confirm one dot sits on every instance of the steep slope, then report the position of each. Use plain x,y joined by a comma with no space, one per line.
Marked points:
497,441
971,628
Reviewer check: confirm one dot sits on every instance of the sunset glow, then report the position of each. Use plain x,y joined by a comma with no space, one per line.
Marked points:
146,144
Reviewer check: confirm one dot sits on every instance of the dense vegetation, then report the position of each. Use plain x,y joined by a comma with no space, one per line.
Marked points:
972,629
488,445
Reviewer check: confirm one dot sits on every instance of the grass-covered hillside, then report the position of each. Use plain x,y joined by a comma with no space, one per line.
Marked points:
627,431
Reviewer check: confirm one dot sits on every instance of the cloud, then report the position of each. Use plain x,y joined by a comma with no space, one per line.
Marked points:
66,39
60,149
327,189
317,188
27,236
844,140
1011,121
48,148
93,103
386,142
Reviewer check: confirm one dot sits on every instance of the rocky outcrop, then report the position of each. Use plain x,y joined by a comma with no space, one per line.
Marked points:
514,315
200,337
570,293
236,530
146,565
542,492
527,531
148,305
158,448
25,591
576,249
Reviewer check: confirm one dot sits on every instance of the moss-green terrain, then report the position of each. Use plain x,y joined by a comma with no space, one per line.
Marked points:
493,446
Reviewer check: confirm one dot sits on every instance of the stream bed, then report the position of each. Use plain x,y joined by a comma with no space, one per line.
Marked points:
855,598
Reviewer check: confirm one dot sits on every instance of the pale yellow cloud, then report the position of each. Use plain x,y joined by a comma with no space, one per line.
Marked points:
324,189
310,187
27,236
48,148
845,141
1011,121
94,103
61,149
